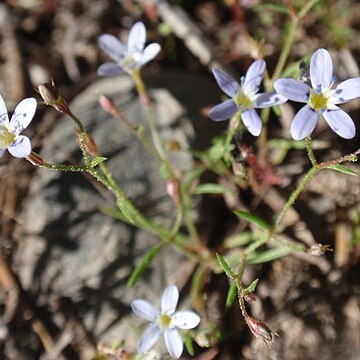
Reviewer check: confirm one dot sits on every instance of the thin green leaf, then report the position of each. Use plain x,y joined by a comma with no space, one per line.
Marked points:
97,160
188,341
144,264
241,239
251,288
231,295
343,169
262,224
211,189
115,213
225,266
274,7
269,255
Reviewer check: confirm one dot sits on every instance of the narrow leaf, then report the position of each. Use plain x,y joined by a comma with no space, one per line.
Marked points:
241,239
262,224
211,189
225,266
188,341
97,160
144,264
274,7
343,169
269,255
251,288
115,213
231,295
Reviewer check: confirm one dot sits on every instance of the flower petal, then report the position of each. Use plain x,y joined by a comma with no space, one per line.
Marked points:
4,118
21,147
254,76
174,343
137,38
185,320
149,338
223,111
292,89
348,90
23,114
111,46
304,123
321,69
149,53
227,84
252,121
109,68
341,123
144,310
264,100
169,299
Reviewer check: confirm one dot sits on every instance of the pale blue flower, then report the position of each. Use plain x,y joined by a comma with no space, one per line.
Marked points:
320,99
10,138
129,57
244,97
164,322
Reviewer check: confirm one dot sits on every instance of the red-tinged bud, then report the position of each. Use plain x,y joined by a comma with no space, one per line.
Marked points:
52,97
35,159
319,249
259,329
250,297
173,189
108,104
90,143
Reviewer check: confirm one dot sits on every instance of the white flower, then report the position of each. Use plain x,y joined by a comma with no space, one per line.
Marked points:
165,322
10,138
244,97
321,98
130,57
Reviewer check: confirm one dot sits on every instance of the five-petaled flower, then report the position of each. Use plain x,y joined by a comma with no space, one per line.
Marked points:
165,322
321,99
10,138
244,97
127,58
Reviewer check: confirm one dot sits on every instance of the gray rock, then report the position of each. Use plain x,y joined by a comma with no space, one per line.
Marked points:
70,249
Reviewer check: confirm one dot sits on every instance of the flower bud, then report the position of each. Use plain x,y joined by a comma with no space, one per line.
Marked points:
89,142
173,189
319,249
250,297
52,97
108,104
259,329
35,159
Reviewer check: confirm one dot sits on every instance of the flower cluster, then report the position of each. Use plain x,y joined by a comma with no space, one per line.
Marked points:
130,57
165,322
10,138
320,98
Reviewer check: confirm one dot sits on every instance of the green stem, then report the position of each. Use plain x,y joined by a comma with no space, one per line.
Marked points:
310,152
63,167
293,197
283,57
141,89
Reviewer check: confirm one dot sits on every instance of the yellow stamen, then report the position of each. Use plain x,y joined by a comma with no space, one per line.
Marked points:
318,101
6,137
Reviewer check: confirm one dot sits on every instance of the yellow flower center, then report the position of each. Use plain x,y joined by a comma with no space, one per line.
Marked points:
242,101
164,321
318,101
6,137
